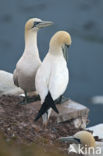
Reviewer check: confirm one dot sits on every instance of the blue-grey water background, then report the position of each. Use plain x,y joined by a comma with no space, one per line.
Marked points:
83,19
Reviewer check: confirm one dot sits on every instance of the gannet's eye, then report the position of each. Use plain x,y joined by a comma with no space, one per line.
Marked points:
35,24
67,45
78,140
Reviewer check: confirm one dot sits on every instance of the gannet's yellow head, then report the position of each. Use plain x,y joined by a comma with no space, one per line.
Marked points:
82,137
36,24
86,138
60,40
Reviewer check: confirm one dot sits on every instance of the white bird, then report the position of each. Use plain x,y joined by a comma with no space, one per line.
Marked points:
52,77
26,67
83,142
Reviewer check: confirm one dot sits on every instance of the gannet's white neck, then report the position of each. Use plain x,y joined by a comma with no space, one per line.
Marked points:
56,50
31,41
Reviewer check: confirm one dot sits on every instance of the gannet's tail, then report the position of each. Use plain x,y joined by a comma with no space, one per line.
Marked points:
48,103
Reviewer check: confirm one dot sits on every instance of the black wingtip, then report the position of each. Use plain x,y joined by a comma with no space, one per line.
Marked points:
49,103
54,108
42,110
37,117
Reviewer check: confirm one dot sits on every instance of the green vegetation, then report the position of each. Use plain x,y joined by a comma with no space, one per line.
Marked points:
12,148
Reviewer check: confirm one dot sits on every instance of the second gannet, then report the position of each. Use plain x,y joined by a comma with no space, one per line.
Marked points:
83,142
26,67
52,77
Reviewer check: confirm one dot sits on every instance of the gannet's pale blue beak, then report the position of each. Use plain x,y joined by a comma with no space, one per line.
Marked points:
43,24
65,52
70,139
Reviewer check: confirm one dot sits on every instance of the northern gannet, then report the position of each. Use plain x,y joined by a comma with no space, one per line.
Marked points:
26,67
52,77
83,142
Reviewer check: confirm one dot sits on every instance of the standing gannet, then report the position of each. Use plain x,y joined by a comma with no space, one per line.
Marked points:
26,67
83,142
52,77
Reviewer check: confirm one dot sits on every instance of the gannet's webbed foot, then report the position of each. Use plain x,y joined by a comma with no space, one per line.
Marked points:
33,99
25,101
22,102
61,100
28,100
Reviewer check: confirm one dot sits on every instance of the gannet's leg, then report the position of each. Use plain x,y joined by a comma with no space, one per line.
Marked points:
28,100
25,99
33,99
61,100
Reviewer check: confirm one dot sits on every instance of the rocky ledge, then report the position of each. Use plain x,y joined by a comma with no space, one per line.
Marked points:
17,121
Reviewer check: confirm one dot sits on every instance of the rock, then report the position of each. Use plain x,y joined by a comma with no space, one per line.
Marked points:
74,112
70,111
7,85
18,120
80,122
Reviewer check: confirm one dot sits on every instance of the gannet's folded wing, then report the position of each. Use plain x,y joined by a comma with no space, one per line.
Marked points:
15,78
42,80
58,80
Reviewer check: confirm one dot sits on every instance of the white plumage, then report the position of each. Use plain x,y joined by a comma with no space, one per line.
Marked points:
53,76
28,64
